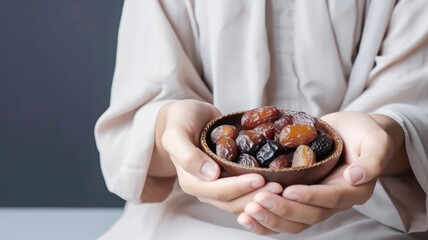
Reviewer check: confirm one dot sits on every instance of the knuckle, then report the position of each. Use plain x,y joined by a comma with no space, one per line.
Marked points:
336,200
186,159
275,224
284,211
307,197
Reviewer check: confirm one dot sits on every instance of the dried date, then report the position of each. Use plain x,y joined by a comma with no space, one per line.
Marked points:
303,156
322,145
282,161
307,119
267,129
226,148
269,151
223,130
257,116
248,160
248,141
294,135
284,120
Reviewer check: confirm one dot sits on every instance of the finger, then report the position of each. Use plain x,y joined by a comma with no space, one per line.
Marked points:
272,221
252,225
224,189
376,149
185,154
291,210
337,195
237,205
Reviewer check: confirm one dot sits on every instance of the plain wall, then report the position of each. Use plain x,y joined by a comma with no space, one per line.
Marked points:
56,65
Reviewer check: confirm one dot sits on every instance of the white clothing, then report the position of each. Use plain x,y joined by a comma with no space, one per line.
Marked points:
369,56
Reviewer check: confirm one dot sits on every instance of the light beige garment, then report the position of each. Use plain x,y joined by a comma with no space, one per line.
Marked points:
367,56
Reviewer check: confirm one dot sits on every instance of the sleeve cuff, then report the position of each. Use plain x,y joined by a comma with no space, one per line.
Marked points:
129,179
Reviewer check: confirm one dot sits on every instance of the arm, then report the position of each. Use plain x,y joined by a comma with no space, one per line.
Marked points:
149,135
385,145
153,69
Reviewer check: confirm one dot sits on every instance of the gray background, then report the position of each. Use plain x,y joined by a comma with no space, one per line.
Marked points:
56,64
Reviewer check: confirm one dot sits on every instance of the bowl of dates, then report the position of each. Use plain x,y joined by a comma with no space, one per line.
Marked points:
284,146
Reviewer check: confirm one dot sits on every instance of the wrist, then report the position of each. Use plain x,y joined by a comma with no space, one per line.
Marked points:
399,162
160,164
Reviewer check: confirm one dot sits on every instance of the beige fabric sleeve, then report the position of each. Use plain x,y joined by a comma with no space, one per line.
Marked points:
398,87
155,64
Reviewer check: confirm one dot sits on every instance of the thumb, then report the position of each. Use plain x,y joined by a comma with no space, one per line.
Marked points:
375,152
188,157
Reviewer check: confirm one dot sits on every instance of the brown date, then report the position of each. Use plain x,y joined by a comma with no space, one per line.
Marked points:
248,160
248,141
267,129
303,156
223,130
257,116
226,148
297,134
282,161
284,120
307,119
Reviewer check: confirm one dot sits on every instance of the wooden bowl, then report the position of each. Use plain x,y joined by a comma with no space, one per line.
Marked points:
286,176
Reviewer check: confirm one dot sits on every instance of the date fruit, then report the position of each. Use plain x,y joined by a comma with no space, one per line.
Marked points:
268,152
303,156
257,116
226,148
304,118
282,161
248,141
248,160
322,145
284,120
267,129
222,130
294,135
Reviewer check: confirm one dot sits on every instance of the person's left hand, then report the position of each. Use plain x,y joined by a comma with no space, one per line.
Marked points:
367,151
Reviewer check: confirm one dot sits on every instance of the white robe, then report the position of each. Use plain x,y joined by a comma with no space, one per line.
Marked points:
369,56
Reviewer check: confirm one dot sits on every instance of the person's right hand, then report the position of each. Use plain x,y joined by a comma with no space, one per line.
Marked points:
197,173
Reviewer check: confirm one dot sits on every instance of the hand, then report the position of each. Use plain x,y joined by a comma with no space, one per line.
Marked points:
368,149
197,173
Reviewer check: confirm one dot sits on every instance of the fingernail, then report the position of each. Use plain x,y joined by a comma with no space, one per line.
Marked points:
291,196
275,189
356,174
257,184
208,170
267,203
259,216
